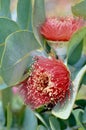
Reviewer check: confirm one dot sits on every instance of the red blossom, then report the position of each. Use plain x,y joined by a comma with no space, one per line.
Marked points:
60,29
48,83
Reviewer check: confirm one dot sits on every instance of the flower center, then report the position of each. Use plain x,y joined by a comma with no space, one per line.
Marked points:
42,81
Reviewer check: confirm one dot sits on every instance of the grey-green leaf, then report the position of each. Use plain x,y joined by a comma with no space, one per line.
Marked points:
2,84
5,8
24,13
38,17
41,119
79,9
76,45
84,79
30,120
54,123
63,110
9,116
41,127
77,113
84,118
16,56
2,115
7,27
1,50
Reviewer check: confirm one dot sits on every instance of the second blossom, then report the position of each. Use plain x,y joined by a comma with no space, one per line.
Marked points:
61,29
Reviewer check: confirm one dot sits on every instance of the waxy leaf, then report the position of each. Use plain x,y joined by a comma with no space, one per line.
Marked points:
1,50
2,84
82,117
79,9
30,120
41,127
76,114
76,45
84,79
63,110
38,17
5,8
7,27
2,115
54,123
81,103
6,97
81,62
71,121
6,102
24,13
9,116
41,119
16,56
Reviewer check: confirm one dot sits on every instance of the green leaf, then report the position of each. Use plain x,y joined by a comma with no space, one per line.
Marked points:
6,102
2,115
63,110
1,50
84,79
79,9
84,49
16,56
81,62
38,17
2,84
30,120
76,114
5,8
82,117
41,119
7,27
24,13
6,97
71,120
46,115
9,117
62,124
18,114
54,123
41,127
81,103
76,45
